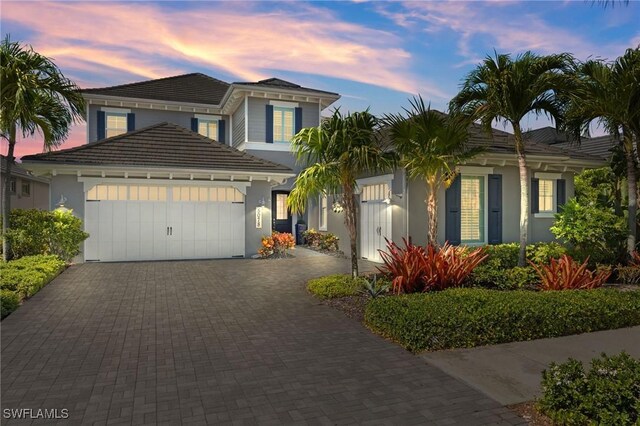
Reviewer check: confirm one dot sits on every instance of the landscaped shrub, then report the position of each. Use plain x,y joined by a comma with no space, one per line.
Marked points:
628,274
34,232
609,394
567,274
592,231
334,286
277,244
27,275
414,268
9,302
321,240
375,287
467,317
500,270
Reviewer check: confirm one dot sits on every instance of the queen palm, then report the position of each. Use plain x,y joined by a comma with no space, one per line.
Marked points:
431,145
506,90
36,98
336,153
609,94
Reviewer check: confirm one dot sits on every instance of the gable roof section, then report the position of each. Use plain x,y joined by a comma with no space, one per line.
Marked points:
277,83
193,88
548,135
161,145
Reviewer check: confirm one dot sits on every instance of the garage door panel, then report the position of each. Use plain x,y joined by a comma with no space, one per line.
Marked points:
141,228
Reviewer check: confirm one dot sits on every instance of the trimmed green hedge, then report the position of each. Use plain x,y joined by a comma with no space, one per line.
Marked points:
333,286
461,318
24,277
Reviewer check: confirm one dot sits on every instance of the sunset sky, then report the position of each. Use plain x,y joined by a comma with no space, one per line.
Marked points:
375,54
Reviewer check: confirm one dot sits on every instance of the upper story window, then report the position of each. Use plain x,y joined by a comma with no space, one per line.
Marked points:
283,124
116,123
209,126
26,189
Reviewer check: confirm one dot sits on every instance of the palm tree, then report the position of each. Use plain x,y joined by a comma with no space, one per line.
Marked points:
431,145
36,97
609,94
337,152
507,90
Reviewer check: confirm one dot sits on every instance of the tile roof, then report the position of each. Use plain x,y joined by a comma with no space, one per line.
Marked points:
161,145
194,88
282,84
18,171
548,135
600,146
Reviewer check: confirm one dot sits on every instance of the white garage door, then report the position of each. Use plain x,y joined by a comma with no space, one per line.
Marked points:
147,222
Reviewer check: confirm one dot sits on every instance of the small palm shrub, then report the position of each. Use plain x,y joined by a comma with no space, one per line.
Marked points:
609,394
277,244
415,269
567,274
375,287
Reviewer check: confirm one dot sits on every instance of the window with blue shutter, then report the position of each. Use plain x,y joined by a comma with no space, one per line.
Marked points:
495,209
101,124
131,122
535,195
298,121
194,124
269,124
561,186
452,208
221,131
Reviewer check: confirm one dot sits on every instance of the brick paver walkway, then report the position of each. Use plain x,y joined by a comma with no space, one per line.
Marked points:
216,342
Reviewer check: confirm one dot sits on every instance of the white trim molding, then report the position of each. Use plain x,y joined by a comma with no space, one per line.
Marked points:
284,104
115,110
388,179
474,170
208,117
91,182
263,146
549,176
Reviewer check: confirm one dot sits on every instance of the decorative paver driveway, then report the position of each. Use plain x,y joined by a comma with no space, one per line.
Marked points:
216,342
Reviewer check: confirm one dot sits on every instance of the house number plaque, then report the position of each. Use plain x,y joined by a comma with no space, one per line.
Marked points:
259,218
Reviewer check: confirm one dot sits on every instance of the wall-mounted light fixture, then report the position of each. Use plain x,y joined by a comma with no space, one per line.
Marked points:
337,207
261,202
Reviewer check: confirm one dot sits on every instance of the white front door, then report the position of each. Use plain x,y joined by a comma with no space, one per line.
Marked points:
375,221
140,222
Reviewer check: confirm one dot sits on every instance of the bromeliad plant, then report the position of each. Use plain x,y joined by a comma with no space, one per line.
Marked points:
277,244
567,274
417,269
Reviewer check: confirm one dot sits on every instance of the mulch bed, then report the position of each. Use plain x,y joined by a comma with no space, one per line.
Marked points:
335,253
352,306
528,412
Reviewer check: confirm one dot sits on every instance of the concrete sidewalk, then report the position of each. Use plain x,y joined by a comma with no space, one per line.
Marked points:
511,373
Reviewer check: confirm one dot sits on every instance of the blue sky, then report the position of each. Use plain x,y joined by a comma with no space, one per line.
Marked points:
376,54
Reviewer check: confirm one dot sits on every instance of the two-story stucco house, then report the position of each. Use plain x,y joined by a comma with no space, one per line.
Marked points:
183,167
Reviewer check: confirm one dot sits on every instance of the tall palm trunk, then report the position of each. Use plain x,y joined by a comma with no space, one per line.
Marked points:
632,191
350,220
432,213
6,201
524,194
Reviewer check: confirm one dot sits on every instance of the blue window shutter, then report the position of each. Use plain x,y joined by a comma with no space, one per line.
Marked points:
131,122
452,201
269,124
561,196
535,195
194,124
221,131
495,209
101,124
298,121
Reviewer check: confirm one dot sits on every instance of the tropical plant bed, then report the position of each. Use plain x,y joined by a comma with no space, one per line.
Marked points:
468,317
335,253
24,277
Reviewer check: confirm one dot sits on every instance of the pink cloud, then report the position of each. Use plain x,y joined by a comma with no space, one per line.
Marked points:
142,39
34,145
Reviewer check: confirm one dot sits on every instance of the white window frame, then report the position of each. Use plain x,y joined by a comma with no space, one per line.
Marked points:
114,112
553,177
25,184
284,107
323,212
483,173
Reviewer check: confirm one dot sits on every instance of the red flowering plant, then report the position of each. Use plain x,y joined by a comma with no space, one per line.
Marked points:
277,245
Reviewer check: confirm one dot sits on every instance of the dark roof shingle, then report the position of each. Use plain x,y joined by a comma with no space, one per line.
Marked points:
160,145
282,84
194,88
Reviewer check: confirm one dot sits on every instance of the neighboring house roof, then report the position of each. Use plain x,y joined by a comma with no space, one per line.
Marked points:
161,145
194,88
282,84
18,171
548,135
600,146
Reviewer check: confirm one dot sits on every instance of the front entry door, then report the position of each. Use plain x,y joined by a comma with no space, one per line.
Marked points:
281,214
